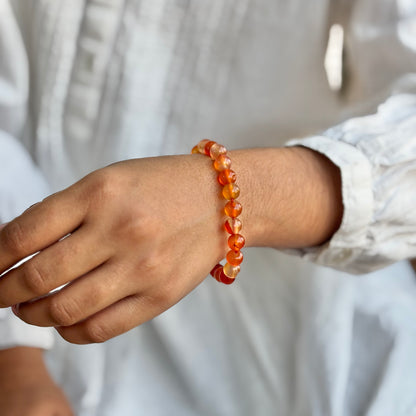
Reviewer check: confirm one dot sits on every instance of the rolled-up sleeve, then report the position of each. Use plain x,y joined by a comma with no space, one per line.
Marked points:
21,183
377,159
376,153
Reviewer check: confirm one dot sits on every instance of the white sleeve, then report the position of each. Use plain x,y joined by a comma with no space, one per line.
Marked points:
375,153
21,183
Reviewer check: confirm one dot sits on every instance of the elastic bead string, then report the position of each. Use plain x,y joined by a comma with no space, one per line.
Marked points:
227,179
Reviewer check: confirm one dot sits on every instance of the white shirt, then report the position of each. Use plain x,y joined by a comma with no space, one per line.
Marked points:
86,83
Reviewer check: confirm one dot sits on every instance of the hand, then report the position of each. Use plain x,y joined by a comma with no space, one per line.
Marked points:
140,235
26,388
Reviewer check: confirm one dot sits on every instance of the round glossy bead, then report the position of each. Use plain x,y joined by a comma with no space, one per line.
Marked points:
227,176
226,280
217,275
231,191
235,258
216,272
222,162
233,208
208,146
223,278
216,267
216,150
201,145
236,242
233,225
231,271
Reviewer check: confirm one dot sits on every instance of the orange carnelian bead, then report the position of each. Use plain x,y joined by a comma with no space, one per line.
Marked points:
233,225
216,150
218,274
234,257
233,208
216,267
227,176
221,277
236,242
227,280
231,271
201,146
222,162
231,191
216,271
207,147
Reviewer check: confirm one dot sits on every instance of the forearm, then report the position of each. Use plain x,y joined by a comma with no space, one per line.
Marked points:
291,196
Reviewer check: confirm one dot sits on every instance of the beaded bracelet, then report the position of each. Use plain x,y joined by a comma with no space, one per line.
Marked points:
226,178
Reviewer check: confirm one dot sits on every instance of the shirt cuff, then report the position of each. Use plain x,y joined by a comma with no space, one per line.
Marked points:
16,333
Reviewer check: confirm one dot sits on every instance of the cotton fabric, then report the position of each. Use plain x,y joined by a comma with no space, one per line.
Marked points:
87,83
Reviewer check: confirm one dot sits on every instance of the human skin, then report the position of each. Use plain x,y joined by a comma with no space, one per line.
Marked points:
26,388
146,232
143,218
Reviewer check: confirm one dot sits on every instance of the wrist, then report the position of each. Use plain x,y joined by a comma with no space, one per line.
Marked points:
291,196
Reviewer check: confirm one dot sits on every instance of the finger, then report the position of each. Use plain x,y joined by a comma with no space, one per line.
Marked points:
79,300
115,320
41,225
53,267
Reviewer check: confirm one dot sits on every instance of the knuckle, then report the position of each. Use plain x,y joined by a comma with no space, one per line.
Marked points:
14,238
134,228
101,292
151,266
34,279
104,186
164,298
51,205
96,333
62,314
160,296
